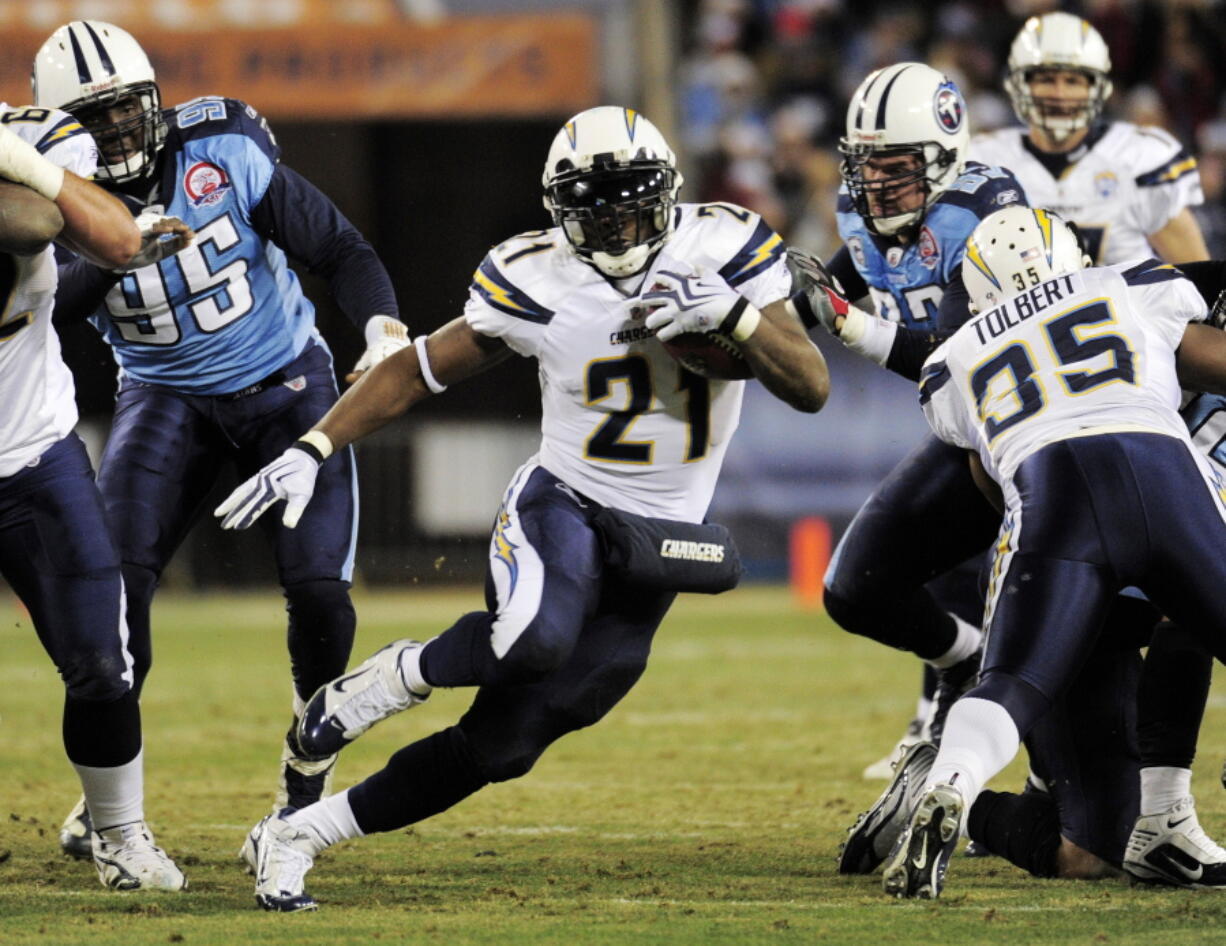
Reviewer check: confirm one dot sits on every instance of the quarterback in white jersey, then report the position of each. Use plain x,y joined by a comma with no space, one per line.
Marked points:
55,550
630,451
1128,188
1064,385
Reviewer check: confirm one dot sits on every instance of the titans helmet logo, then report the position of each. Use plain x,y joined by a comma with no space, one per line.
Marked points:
948,107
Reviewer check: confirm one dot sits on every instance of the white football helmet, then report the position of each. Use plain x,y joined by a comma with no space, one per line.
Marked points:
1014,249
1058,41
904,109
87,68
611,182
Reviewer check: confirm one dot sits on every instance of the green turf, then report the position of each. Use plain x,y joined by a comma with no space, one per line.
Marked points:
706,809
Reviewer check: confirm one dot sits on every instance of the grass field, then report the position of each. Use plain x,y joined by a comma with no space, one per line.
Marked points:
706,809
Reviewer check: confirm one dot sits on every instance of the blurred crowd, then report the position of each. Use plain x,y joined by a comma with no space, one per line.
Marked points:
764,86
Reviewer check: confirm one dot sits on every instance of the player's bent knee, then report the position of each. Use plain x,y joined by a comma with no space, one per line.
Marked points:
96,678
540,651
1025,704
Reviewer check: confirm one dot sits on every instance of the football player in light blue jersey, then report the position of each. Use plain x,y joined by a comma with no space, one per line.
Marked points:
909,201
219,357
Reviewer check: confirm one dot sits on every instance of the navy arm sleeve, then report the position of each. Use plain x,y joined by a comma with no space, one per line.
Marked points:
82,288
911,349
298,217
844,270
1208,276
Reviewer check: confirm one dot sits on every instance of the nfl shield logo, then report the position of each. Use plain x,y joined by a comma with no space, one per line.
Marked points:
893,255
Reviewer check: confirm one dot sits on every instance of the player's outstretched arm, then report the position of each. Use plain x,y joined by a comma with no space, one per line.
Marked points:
383,393
28,221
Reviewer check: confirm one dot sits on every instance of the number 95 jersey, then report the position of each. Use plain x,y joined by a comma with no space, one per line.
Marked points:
226,311
1085,352
622,422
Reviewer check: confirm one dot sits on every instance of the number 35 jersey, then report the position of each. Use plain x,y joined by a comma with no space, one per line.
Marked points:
35,385
622,422
1086,352
226,311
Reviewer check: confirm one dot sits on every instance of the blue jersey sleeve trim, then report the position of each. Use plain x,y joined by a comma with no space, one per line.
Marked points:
932,379
67,128
1181,165
759,253
504,296
1151,271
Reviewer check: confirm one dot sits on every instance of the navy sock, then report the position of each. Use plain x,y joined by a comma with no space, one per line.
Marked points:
420,780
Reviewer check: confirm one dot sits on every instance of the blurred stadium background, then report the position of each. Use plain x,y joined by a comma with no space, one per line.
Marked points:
427,121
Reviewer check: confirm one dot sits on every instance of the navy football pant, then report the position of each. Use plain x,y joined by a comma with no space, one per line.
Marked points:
925,519
561,644
56,554
1094,515
164,455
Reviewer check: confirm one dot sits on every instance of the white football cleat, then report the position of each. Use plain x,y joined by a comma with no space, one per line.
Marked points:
871,839
1172,848
917,865
127,859
342,710
283,854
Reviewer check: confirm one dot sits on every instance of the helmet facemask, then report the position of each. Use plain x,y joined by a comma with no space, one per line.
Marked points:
1058,117
616,215
934,167
127,148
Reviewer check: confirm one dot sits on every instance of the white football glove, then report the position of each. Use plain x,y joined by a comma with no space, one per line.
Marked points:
290,477
384,336
160,237
698,302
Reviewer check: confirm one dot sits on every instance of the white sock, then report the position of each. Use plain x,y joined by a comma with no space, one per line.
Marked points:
1162,786
965,644
115,794
980,739
331,817
410,670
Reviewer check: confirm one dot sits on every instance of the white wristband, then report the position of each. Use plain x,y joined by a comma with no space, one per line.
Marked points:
320,441
867,334
423,363
747,324
381,327
21,163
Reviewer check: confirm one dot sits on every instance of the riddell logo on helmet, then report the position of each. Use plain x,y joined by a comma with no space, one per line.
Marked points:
92,87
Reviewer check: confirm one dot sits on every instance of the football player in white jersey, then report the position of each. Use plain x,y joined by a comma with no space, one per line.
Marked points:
55,550
1064,388
1129,190
625,430
1127,187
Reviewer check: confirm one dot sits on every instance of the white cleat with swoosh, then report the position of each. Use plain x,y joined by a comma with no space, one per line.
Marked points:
1171,848
917,865
342,710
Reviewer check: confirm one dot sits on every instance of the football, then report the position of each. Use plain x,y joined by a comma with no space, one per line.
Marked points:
710,355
